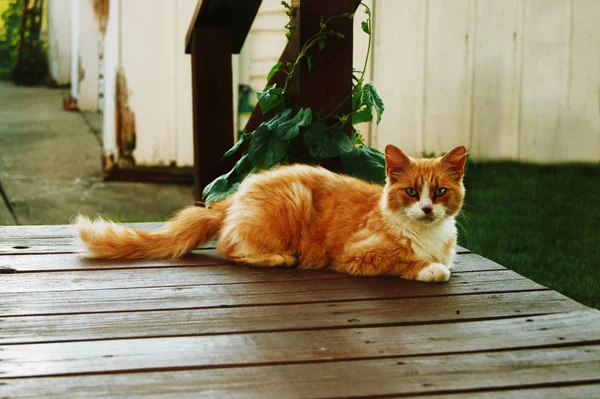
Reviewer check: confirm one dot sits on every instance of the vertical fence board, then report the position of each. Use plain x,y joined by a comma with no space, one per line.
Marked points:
448,78
497,80
545,70
398,72
184,126
580,120
148,70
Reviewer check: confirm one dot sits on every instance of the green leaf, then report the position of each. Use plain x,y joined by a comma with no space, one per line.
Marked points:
322,44
274,70
280,117
365,27
364,115
265,149
241,140
270,98
357,138
291,128
326,145
374,99
366,163
367,95
225,185
311,63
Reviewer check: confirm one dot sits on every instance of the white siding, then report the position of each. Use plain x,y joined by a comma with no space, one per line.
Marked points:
87,99
59,40
511,79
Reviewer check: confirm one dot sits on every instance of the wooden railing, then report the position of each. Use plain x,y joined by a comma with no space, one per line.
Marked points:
218,30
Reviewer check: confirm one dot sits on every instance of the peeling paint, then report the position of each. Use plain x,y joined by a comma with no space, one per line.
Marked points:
101,13
125,123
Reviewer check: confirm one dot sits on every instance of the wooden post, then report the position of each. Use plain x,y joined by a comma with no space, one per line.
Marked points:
212,104
329,83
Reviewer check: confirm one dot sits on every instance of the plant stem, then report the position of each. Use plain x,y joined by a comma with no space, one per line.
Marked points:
362,76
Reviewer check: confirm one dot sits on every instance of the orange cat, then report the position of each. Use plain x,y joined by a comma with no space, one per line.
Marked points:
314,218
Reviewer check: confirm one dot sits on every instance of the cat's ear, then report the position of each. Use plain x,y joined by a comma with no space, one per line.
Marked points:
395,160
456,159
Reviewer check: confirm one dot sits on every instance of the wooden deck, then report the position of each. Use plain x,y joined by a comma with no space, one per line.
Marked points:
200,327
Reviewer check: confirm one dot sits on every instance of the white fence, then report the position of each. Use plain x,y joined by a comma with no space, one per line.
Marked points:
510,79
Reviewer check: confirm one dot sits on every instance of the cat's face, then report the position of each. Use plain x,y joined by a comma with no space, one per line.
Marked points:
424,190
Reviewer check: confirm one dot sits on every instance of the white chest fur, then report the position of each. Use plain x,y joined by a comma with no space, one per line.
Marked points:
429,242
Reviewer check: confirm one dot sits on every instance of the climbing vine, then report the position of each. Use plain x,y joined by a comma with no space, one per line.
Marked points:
307,136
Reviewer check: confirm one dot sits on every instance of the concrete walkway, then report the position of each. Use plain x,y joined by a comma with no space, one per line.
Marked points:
50,166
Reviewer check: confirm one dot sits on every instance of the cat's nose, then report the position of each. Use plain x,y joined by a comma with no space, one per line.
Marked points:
427,209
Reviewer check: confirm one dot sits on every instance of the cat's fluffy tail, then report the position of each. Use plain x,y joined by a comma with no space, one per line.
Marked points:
189,228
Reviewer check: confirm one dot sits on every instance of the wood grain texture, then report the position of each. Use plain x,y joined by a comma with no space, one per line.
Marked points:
297,346
201,327
588,390
70,262
158,277
78,274
55,328
252,294
56,231
397,377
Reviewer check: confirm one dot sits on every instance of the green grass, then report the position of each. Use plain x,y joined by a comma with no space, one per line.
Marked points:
541,221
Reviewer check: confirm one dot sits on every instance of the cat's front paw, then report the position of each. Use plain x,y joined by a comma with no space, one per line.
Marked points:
434,272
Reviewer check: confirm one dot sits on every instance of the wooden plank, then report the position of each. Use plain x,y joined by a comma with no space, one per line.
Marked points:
55,328
62,245
497,80
567,391
53,359
57,231
356,288
25,246
69,262
521,371
461,250
157,277
66,245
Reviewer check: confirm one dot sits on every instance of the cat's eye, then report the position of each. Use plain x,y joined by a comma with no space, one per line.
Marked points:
440,191
412,192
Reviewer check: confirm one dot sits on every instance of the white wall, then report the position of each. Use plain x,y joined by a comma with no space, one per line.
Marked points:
87,97
151,58
59,40
510,79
